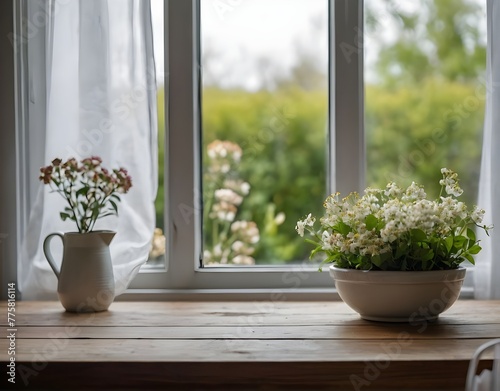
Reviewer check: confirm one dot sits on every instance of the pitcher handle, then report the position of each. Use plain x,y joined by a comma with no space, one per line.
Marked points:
47,252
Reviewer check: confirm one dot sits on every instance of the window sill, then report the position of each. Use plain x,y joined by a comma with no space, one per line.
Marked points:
271,295
244,345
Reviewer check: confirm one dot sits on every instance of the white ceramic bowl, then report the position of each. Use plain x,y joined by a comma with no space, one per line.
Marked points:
397,296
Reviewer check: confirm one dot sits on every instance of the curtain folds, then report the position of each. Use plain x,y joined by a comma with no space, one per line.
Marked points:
487,270
99,94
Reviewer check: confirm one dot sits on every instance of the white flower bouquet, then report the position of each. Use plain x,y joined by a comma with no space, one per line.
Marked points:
397,229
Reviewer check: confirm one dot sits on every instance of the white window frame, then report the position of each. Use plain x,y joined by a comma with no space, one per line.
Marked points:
182,110
183,274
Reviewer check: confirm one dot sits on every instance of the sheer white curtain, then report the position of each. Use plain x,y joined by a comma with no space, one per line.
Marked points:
99,98
487,270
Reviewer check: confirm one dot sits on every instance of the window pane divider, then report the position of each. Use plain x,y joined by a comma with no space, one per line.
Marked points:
347,153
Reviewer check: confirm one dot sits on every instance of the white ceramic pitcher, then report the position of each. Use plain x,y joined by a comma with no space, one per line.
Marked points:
85,281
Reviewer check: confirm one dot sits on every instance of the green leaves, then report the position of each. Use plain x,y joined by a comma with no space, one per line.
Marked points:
330,259
83,191
471,235
378,261
417,235
449,244
470,258
316,250
342,228
474,249
371,222
64,216
401,249
115,207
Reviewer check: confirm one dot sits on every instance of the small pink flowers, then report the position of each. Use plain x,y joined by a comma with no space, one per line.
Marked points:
46,174
89,189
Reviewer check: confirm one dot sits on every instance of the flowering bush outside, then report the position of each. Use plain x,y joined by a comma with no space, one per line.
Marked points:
158,245
89,189
397,229
227,240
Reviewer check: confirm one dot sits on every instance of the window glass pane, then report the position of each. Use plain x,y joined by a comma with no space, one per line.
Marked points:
158,244
424,91
264,123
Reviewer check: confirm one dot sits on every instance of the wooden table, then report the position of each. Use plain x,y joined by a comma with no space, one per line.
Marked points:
242,345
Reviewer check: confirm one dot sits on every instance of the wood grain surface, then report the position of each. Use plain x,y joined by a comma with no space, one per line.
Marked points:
242,345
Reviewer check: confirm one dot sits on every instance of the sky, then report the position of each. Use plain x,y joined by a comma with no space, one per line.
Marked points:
238,34
242,41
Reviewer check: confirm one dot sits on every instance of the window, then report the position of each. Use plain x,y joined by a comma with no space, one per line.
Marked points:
314,88
425,93
232,71
264,111
199,94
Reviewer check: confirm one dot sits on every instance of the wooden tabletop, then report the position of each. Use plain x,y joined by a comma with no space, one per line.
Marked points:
241,345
